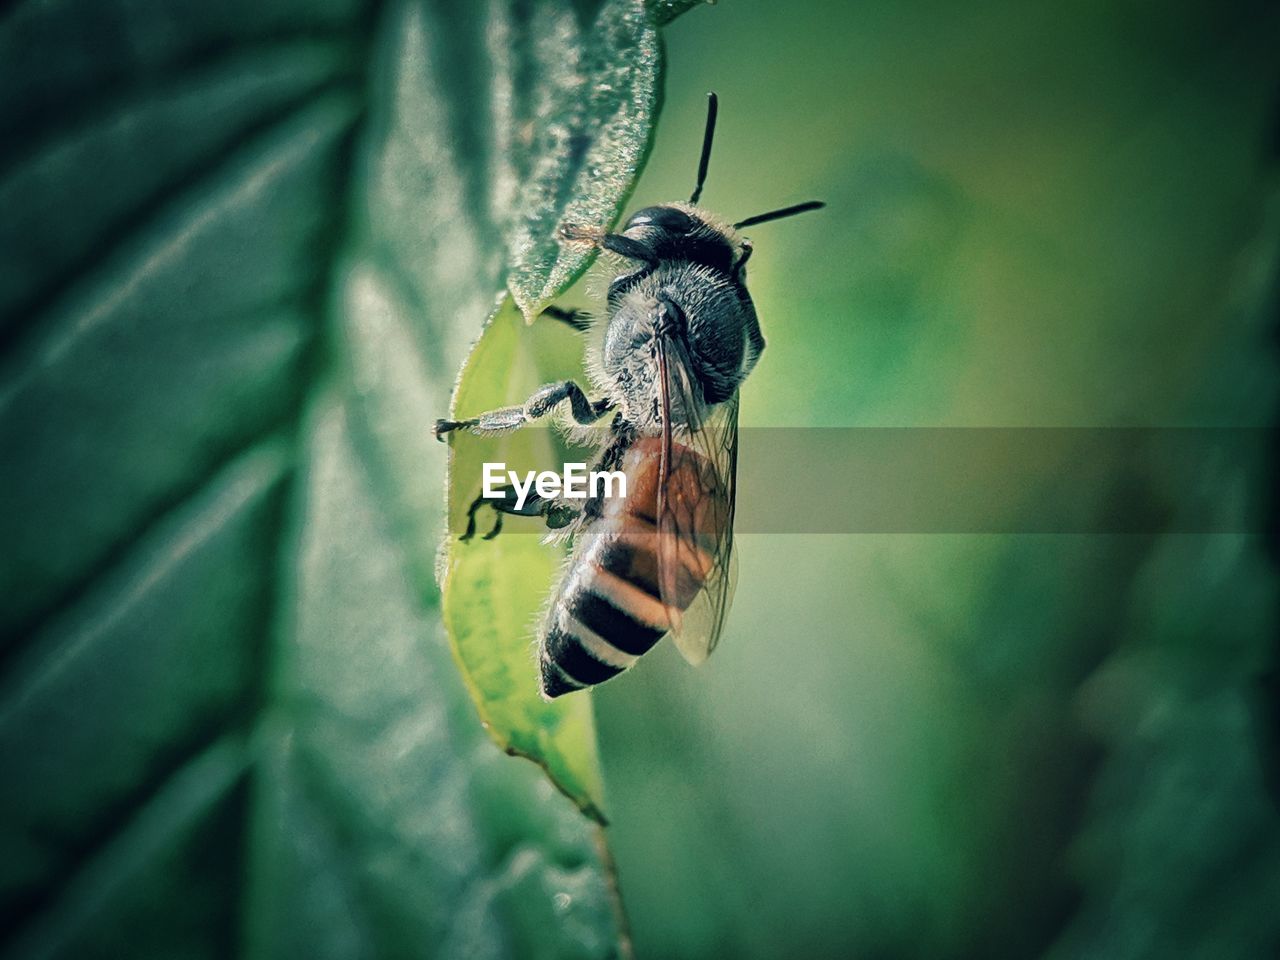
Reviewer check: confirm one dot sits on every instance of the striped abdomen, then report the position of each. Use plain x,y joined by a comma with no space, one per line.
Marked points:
609,610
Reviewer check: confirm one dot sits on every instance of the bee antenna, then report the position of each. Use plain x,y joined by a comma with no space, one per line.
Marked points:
779,214
713,106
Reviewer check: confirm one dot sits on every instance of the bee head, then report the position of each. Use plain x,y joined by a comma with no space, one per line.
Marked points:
676,232
683,231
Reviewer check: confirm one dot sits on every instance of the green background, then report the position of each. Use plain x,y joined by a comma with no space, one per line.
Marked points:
1039,215
240,266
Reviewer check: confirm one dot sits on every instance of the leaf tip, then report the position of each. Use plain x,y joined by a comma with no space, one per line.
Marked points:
529,308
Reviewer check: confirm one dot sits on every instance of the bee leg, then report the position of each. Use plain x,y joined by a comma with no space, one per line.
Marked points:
619,287
497,526
633,250
507,504
585,411
617,243
470,532
493,423
556,514
576,319
544,400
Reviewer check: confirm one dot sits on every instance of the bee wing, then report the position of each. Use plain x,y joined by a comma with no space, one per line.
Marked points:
696,501
703,622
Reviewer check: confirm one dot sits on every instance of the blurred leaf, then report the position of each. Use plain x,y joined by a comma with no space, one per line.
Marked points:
1178,852
245,246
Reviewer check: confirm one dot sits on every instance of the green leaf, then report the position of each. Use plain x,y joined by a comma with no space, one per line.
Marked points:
590,147
245,248
493,590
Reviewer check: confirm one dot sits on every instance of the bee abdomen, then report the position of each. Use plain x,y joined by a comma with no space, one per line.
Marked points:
590,640
573,657
608,614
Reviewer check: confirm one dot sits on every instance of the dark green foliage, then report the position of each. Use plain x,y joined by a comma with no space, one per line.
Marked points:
242,252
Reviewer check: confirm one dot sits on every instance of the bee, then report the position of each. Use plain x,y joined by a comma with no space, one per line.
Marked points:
680,336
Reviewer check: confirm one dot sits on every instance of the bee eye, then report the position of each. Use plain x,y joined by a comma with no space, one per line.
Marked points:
665,218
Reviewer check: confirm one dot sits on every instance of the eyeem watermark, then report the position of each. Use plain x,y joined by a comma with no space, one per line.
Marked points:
574,484
965,480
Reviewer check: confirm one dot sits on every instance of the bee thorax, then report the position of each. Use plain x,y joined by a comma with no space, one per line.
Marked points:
708,327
